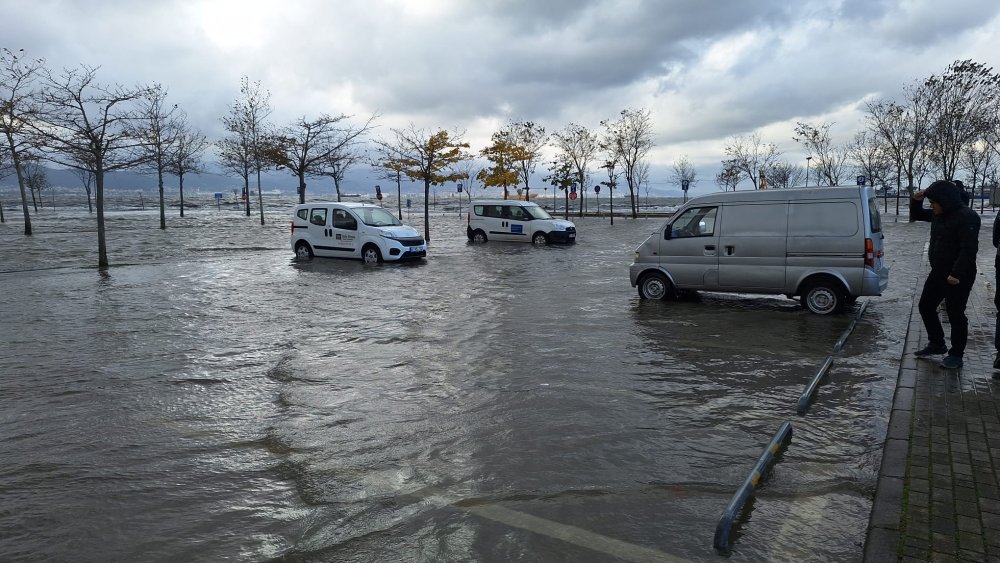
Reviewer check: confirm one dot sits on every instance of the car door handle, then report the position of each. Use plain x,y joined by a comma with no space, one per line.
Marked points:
709,247
730,250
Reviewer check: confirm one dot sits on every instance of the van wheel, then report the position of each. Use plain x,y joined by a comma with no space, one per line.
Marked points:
479,237
370,254
540,239
824,297
303,251
654,285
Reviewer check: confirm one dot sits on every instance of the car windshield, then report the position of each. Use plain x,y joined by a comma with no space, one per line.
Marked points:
537,212
377,217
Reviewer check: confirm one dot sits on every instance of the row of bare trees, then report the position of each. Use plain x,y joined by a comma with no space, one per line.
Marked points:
943,126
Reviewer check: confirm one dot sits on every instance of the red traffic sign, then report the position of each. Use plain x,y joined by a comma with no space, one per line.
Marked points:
572,195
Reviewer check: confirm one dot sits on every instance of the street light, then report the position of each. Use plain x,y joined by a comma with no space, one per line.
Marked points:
808,158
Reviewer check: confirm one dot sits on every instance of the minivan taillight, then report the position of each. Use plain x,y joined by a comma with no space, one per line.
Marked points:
293,227
468,217
869,253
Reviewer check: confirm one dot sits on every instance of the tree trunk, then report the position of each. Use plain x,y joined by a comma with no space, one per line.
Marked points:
399,197
163,208
427,211
260,198
90,206
180,185
631,195
246,193
302,187
24,196
102,243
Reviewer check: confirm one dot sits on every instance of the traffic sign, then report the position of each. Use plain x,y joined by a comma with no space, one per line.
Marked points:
572,195
685,184
597,189
861,180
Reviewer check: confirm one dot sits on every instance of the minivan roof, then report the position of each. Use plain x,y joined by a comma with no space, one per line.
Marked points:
351,204
786,194
500,201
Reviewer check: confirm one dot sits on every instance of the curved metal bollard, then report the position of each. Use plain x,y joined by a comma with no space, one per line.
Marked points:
807,396
780,440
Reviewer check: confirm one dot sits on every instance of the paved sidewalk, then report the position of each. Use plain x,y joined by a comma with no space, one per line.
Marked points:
938,495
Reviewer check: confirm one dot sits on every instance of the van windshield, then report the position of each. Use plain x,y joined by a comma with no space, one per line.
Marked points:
377,217
537,212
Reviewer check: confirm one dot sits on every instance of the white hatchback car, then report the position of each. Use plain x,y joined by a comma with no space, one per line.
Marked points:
516,220
353,230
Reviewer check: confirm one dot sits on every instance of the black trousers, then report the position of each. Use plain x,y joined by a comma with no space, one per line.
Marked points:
955,297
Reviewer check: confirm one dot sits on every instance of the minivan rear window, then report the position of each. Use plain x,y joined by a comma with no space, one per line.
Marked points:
874,217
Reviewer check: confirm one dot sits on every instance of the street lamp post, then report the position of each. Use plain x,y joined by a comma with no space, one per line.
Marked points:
808,158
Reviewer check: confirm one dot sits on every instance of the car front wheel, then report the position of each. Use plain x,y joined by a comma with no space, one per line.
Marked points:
654,285
371,255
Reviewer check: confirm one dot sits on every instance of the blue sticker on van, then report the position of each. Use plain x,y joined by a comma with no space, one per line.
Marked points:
517,229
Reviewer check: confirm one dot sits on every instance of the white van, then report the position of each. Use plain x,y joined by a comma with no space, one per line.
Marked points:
353,230
516,220
822,244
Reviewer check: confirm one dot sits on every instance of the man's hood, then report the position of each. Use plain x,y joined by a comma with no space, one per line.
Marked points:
945,193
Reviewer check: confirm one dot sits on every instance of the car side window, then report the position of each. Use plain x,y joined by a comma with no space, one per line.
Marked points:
318,216
694,222
303,214
344,220
518,214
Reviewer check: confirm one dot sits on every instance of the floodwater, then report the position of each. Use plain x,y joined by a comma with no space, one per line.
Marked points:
210,398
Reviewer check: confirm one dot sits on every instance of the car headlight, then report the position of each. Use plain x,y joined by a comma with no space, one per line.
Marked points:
388,234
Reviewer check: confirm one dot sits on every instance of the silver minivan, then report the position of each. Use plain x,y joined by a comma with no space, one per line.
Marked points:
824,245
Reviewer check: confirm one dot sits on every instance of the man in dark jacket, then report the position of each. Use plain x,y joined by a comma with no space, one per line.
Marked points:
996,295
954,242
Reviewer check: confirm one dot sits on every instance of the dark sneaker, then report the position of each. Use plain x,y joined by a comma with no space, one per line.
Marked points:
931,350
951,362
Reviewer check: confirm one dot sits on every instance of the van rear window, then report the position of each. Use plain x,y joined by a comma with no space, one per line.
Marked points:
874,217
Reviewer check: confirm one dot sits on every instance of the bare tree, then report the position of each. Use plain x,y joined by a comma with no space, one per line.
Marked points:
531,137
235,154
783,174
631,137
730,175
338,162
467,172
35,178
748,155
155,127
186,157
961,103
872,158
312,147
577,146
391,167
428,157
685,176
250,135
562,175
981,162
904,129
85,125
86,177
19,80
830,159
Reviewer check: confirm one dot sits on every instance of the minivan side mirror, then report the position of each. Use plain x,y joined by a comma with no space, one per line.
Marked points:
667,231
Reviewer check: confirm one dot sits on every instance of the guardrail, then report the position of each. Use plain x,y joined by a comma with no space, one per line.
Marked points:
781,439
778,443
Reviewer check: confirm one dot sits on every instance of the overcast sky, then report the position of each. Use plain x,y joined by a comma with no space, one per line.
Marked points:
705,69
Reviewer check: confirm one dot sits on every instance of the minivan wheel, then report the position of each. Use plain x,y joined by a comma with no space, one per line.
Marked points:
654,285
540,239
370,254
479,236
824,297
303,251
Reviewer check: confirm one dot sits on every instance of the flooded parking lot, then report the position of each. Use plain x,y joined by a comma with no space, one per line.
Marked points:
209,397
